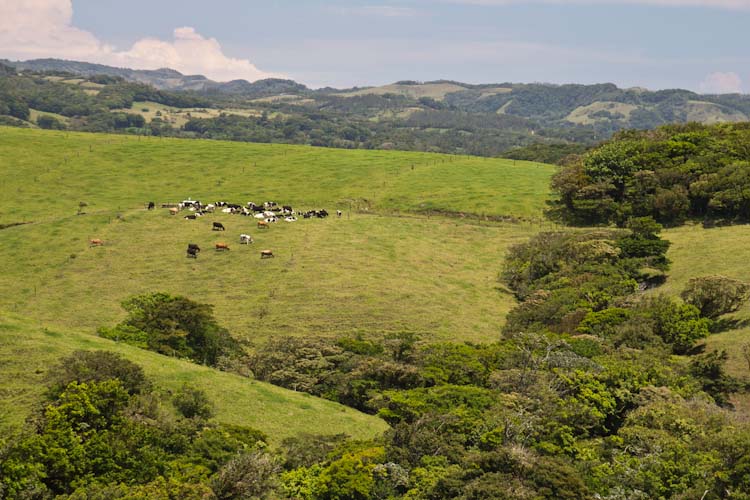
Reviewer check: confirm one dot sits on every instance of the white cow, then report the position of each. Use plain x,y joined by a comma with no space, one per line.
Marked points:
245,239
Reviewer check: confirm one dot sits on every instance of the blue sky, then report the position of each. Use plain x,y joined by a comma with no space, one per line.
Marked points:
697,44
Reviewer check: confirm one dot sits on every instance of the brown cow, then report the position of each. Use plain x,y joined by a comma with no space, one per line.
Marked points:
173,210
96,242
222,246
265,254
262,224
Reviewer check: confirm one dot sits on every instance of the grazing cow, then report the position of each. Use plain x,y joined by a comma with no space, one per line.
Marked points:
192,216
271,219
259,216
151,205
245,239
338,213
322,213
269,204
192,250
222,246
210,208
262,224
268,213
287,209
290,218
96,242
173,211
218,226
265,254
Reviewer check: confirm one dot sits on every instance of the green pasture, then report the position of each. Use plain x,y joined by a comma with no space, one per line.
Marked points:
357,274
28,351
697,252
389,264
45,174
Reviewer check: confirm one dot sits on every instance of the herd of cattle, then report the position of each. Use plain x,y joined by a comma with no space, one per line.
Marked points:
266,214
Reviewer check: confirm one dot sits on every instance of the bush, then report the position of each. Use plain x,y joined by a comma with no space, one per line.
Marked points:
192,402
50,122
716,295
97,366
175,326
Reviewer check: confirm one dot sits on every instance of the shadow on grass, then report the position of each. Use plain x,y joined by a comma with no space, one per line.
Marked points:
726,324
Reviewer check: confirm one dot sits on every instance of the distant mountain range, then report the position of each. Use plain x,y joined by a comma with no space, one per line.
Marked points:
164,78
604,107
442,115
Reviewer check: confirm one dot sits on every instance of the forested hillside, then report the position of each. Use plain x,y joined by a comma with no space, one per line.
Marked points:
440,116
674,173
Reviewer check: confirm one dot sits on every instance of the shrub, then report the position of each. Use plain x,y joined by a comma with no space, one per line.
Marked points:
716,295
192,402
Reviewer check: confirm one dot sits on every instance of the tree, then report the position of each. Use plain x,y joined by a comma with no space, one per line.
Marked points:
247,475
192,402
176,326
49,122
715,296
97,366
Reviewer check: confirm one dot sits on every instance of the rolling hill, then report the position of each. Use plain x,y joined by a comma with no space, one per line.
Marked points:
417,250
443,116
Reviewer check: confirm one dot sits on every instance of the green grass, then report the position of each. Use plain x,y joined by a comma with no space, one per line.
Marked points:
385,266
45,174
364,272
28,351
724,250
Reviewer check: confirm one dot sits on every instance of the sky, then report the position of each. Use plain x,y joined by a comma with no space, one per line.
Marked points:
701,45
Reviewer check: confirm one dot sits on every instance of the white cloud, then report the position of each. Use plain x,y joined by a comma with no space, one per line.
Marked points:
721,83
43,28
714,4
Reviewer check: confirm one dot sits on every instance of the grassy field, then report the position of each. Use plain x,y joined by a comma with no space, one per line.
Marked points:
701,252
723,250
365,272
180,116
28,351
46,174
389,264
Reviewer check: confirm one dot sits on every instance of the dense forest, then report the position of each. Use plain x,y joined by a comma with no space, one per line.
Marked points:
674,173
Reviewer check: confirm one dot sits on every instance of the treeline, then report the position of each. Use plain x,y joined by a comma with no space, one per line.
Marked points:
674,173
